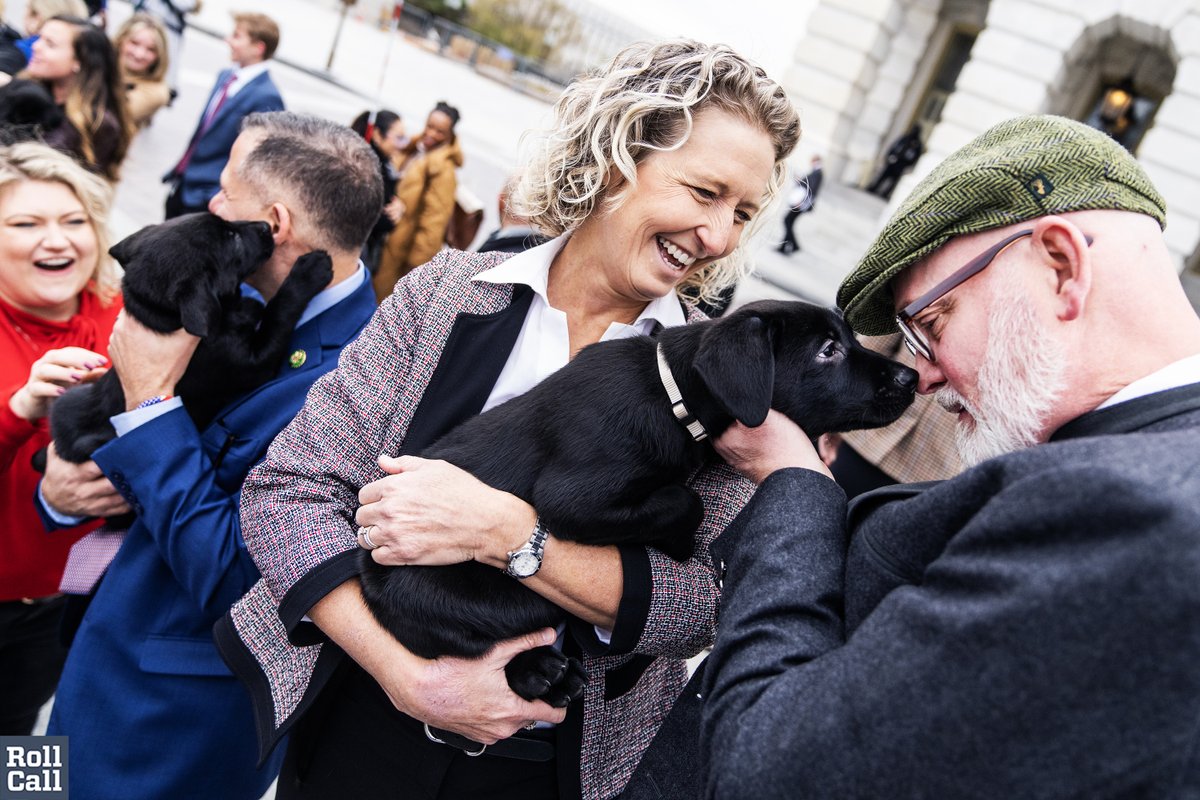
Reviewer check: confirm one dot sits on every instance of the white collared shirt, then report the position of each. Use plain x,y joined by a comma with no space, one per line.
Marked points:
544,344
245,75
1181,373
241,76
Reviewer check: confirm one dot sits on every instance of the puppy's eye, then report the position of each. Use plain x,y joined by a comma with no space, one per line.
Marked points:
829,349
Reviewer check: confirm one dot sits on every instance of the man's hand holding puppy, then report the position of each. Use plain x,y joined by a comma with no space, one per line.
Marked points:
148,363
778,443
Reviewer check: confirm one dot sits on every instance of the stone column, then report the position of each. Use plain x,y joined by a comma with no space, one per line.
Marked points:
835,68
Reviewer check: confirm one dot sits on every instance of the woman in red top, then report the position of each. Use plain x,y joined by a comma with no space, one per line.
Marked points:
58,302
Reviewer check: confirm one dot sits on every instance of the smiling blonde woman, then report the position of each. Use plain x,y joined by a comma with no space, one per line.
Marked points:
655,170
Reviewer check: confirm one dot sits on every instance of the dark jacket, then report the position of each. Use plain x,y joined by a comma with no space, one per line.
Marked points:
1026,629
12,60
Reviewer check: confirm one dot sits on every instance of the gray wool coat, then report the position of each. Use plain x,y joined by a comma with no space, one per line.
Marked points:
1029,629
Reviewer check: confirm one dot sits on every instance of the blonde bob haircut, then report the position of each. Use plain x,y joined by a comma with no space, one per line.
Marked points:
33,161
644,101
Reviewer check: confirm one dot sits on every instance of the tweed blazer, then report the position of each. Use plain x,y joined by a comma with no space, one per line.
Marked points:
406,366
1027,629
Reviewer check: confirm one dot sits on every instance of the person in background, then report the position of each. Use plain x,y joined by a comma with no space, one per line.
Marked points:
12,59
58,302
806,190
241,90
173,16
1028,627
75,61
141,44
97,13
388,139
678,146
38,11
149,707
426,193
515,234
903,153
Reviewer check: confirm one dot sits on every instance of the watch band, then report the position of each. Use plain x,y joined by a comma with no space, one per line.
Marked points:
531,549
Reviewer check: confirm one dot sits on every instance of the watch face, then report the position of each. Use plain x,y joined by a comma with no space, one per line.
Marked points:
523,564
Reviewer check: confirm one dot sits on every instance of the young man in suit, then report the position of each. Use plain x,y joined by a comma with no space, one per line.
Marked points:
151,709
241,90
1027,628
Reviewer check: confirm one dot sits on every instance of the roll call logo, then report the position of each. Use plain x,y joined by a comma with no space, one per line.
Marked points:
34,767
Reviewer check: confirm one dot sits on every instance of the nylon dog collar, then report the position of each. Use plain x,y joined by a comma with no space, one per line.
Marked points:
681,413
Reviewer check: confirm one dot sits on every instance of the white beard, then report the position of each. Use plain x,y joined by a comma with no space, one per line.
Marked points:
1021,379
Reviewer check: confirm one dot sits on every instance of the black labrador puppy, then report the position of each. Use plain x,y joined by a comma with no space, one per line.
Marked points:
603,454
187,273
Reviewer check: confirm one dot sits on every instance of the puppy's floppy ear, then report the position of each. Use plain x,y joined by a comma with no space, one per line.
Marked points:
199,313
200,309
736,362
125,251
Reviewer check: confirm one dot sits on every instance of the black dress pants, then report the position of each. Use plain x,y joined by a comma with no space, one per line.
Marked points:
31,661
354,743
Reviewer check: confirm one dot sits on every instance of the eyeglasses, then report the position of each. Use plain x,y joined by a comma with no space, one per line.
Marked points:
914,338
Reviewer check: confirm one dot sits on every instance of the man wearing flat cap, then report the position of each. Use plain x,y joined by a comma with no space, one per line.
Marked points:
1030,628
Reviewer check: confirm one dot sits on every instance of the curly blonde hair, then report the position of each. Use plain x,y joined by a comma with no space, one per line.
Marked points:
641,102
33,161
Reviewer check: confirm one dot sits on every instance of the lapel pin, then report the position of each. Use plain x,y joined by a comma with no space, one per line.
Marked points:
297,359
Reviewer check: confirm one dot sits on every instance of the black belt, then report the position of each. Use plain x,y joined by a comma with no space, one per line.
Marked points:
522,748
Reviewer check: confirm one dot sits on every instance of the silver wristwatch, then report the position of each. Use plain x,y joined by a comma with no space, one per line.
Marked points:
525,563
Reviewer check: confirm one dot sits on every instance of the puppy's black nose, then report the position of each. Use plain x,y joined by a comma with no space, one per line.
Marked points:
905,378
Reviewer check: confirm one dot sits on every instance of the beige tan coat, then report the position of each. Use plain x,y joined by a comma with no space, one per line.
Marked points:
427,190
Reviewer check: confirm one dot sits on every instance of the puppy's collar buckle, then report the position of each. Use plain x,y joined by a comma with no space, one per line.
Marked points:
676,397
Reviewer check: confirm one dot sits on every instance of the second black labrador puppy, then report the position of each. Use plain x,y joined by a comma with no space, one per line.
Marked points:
603,453
187,273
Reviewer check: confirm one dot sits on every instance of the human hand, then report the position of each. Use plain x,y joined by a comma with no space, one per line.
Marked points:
148,363
432,513
51,375
80,490
471,697
394,210
776,444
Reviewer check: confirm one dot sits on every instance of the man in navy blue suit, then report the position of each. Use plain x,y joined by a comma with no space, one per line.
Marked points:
151,709
241,90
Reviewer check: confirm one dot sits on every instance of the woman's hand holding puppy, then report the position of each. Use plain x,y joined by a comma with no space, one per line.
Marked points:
433,513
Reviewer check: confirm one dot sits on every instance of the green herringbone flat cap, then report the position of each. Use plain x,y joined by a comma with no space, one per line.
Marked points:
1021,169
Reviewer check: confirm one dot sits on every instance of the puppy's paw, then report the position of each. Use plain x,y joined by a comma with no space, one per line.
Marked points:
544,673
311,273
569,687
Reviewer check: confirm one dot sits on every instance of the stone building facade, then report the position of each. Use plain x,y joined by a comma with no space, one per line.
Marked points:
867,70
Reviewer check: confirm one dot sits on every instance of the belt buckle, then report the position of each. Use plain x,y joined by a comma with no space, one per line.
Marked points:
429,735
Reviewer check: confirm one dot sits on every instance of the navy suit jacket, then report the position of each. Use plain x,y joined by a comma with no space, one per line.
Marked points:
150,707
202,177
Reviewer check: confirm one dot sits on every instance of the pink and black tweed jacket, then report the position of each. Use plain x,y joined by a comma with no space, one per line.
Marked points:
298,523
